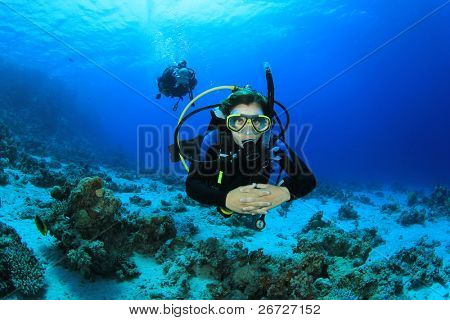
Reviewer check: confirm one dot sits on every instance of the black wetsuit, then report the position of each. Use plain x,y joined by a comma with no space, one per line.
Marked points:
167,84
286,170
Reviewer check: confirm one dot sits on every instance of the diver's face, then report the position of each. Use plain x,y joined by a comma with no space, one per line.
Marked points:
248,132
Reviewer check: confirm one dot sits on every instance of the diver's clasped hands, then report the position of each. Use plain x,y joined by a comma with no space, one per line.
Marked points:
256,198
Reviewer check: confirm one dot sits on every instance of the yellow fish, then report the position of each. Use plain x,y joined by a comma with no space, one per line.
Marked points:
40,225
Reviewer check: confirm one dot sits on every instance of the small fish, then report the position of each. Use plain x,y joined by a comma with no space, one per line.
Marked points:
40,225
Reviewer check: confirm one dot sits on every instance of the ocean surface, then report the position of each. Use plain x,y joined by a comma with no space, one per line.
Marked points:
91,207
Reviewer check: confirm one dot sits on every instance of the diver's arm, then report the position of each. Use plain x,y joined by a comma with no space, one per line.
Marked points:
198,188
200,180
299,181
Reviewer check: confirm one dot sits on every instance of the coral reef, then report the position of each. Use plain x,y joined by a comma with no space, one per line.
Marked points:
177,182
439,197
380,280
438,202
20,271
413,199
87,228
410,268
375,282
39,172
250,275
3,178
335,242
421,264
412,216
390,208
148,234
45,178
324,254
345,253
123,187
141,202
316,222
179,205
347,212
95,238
341,294
60,193
8,148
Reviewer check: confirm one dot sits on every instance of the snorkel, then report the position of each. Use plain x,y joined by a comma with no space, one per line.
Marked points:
270,88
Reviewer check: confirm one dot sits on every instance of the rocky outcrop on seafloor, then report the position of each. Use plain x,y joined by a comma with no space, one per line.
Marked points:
20,271
4,180
410,268
438,202
9,154
244,274
139,201
420,264
390,208
8,149
98,236
328,263
429,207
46,173
13,156
335,242
412,216
421,208
86,224
347,212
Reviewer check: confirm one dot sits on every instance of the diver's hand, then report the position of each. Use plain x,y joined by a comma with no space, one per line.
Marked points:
275,196
237,200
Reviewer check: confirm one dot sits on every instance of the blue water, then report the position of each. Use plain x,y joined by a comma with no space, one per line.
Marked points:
370,79
387,117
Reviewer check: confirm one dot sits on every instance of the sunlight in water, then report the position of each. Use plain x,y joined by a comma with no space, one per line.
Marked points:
207,12
344,196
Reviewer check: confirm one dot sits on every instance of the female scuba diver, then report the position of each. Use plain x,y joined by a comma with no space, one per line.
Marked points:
249,181
239,165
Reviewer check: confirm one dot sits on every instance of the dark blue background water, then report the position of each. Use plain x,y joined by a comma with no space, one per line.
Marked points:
386,118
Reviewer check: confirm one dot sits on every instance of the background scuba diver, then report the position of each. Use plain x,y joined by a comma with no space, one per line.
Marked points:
250,179
177,81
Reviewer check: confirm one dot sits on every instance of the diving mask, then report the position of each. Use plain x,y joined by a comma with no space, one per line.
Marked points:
260,123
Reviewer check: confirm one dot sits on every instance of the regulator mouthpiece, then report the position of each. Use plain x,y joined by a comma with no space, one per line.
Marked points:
250,152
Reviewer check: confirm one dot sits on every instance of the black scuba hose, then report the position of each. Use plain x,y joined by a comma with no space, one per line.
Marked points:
271,101
288,121
177,130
